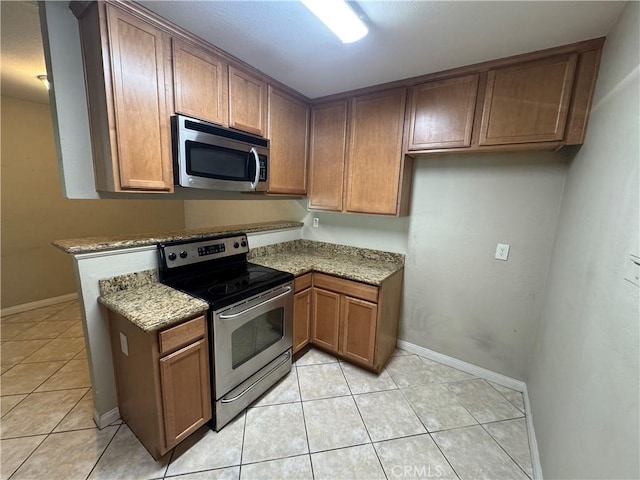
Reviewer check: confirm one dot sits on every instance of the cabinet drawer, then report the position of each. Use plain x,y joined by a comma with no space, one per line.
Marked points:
302,282
346,287
181,335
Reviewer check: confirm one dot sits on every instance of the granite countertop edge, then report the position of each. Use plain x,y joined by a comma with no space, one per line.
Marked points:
100,244
154,306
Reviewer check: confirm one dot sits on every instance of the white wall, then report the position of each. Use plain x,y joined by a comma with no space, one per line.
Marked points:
211,213
459,300
584,377
366,231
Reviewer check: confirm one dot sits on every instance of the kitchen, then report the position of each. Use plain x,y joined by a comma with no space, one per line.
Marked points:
461,302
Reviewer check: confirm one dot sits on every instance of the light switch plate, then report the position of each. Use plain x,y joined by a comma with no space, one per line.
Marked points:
632,269
502,252
316,222
124,345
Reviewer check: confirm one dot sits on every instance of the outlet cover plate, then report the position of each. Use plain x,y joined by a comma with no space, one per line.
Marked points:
502,252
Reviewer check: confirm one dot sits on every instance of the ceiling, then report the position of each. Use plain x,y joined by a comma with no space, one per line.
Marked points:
284,40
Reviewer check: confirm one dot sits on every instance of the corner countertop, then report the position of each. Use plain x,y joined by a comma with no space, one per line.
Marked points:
99,244
154,306
352,263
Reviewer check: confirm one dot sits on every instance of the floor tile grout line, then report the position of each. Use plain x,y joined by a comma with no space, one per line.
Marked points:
28,456
304,420
363,422
504,396
103,451
69,411
45,380
244,434
463,406
443,455
505,451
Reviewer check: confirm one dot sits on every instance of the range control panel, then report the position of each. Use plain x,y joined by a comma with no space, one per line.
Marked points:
179,254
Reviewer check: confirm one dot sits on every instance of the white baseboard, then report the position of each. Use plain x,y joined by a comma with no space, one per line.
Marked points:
106,419
25,307
491,376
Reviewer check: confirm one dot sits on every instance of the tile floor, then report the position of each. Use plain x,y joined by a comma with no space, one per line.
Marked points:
325,420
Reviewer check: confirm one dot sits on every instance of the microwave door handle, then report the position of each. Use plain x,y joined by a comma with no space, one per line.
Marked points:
254,184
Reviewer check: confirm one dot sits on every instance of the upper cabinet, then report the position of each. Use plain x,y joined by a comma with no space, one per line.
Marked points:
375,165
247,102
199,83
528,102
125,78
288,131
327,156
356,160
441,114
534,101
360,145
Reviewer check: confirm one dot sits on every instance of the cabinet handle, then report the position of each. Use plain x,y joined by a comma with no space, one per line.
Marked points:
257,159
246,390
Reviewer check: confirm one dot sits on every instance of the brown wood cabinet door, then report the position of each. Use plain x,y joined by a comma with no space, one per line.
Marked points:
326,319
186,396
327,154
247,102
528,103
200,87
138,52
442,113
288,127
374,159
358,330
301,319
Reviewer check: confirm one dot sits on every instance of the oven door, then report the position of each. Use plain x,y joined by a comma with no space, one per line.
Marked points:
250,334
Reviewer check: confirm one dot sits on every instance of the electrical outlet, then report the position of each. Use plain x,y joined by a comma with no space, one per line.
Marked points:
124,345
316,222
502,252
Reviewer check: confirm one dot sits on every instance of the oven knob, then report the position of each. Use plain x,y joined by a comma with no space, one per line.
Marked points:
244,244
172,256
236,245
183,254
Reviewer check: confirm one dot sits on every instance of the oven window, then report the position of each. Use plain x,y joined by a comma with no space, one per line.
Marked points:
214,161
256,336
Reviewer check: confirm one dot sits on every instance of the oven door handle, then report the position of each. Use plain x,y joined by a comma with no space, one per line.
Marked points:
246,390
243,312
254,184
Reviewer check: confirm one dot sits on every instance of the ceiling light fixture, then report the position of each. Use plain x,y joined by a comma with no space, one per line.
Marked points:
45,81
339,17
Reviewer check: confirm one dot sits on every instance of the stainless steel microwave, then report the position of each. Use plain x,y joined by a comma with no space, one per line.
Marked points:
215,158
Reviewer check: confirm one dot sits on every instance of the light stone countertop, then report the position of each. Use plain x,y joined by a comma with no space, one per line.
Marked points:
99,244
352,263
154,306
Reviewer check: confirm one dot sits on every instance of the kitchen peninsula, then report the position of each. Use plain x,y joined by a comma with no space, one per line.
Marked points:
357,291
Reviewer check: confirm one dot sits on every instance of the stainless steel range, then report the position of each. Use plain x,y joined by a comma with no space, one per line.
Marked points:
250,316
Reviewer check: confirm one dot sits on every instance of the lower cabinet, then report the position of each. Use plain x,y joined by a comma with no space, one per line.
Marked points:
356,321
301,312
162,380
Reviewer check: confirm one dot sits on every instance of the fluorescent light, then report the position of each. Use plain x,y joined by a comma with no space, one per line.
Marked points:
339,17
45,81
